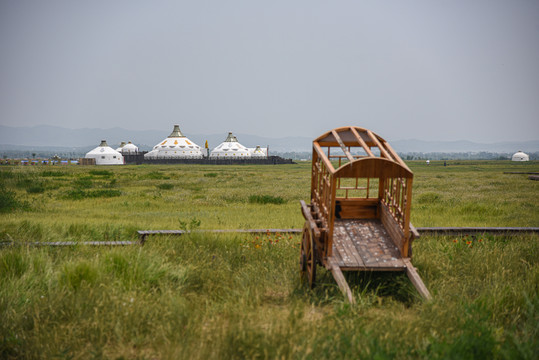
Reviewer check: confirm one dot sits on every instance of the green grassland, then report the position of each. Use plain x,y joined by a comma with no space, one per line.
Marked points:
239,296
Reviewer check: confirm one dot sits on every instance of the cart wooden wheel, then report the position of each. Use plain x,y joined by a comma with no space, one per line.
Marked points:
308,256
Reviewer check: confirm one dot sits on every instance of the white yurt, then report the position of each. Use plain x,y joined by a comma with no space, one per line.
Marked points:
119,148
230,149
259,153
520,156
105,155
129,148
175,146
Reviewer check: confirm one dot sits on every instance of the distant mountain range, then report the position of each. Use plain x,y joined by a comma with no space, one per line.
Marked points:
52,138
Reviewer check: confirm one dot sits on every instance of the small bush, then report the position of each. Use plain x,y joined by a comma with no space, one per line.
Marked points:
13,264
101,172
51,173
6,174
105,193
78,194
166,186
83,183
156,175
266,199
8,201
211,175
428,198
36,189
25,183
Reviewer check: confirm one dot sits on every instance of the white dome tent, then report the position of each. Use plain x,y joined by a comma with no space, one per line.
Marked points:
105,155
119,148
129,148
259,153
230,149
175,146
520,156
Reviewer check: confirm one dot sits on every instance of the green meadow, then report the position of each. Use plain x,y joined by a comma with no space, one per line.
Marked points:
238,296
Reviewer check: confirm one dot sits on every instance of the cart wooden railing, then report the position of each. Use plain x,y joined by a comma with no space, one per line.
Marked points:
356,175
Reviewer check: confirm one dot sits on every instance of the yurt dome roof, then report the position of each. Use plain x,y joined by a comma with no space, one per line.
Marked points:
258,152
105,155
520,156
119,148
129,148
176,145
230,148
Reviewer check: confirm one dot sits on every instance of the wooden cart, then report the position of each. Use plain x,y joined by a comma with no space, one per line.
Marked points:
359,215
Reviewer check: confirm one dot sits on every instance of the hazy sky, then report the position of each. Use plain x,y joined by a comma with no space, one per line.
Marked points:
440,70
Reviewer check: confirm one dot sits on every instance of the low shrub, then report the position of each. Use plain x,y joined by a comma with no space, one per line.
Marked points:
101,172
428,198
266,199
155,175
36,189
79,194
165,186
8,201
52,173
83,183
6,174
211,175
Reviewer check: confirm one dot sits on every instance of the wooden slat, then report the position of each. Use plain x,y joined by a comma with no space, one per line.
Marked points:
408,206
383,151
308,217
476,230
392,227
337,255
374,244
341,281
396,156
362,142
323,157
341,243
416,279
414,231
72,243
341,144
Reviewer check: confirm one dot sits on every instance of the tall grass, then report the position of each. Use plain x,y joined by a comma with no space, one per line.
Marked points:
239,296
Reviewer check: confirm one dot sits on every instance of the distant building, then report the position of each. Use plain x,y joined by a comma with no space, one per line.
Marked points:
129,148
520,156
119,148
105,155
259,153
175,146
230,149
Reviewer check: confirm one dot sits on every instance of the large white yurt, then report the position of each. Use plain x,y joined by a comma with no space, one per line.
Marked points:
119,148
175,146
129,148
105,155
259,153
520,156
230,149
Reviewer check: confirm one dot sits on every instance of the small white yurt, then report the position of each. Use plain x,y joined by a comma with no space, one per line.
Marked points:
175,146
105,155
129,148
230,149
520,156
119,148
259,153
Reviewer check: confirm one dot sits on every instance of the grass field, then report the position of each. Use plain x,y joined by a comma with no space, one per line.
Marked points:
239,296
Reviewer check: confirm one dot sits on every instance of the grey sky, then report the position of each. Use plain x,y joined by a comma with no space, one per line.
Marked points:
439,70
